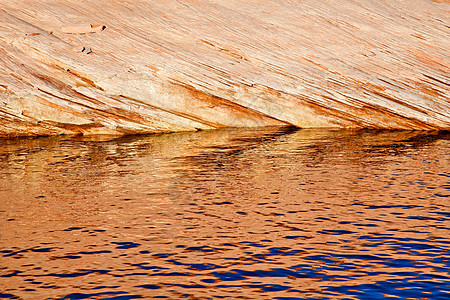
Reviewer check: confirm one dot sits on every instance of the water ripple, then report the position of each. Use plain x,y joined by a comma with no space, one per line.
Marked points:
268,213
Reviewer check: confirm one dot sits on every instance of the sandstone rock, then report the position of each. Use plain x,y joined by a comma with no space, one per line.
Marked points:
187,65
84,28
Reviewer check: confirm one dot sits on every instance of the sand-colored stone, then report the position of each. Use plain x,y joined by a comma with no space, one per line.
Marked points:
159,66
83,29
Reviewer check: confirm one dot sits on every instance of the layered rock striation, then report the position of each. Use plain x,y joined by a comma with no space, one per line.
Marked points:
144,66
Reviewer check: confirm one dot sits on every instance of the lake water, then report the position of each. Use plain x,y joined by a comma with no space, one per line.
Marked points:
270,213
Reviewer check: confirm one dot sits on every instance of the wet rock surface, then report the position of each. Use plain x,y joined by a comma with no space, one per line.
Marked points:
102,67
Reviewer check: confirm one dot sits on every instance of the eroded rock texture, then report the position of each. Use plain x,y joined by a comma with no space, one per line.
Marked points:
163,66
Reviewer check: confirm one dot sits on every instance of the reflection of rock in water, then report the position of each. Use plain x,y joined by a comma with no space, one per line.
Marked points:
169,66
235,213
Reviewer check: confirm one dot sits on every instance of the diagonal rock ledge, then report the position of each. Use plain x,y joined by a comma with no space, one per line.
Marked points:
135,66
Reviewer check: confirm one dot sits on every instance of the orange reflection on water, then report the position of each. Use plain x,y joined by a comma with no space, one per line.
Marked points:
270,212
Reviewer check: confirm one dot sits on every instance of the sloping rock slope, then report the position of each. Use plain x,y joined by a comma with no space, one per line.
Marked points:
141,66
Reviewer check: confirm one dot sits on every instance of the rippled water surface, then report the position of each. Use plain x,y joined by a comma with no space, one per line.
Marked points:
271,213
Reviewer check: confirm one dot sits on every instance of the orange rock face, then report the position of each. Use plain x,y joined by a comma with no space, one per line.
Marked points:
121,67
